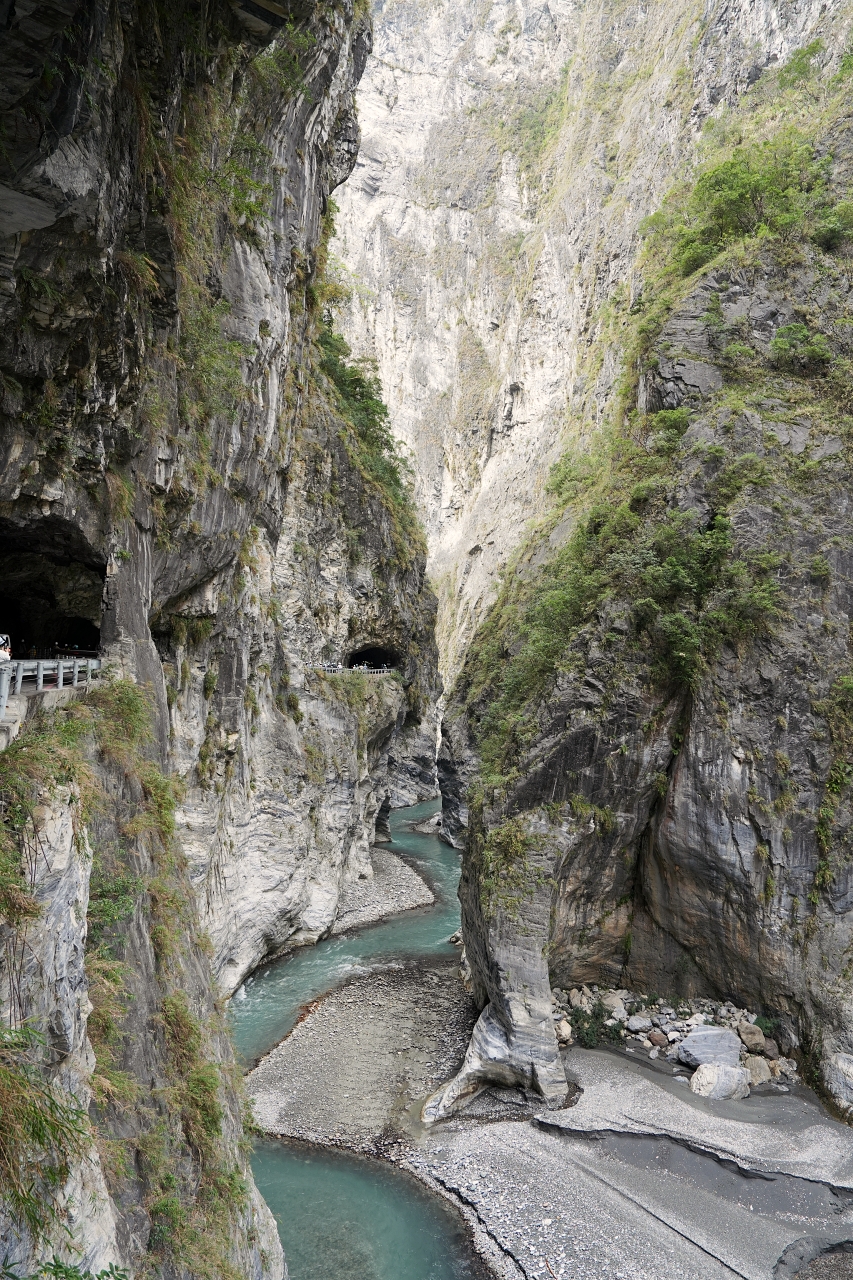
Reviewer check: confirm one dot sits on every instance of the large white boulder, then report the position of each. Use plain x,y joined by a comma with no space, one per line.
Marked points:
717,1080
715,1045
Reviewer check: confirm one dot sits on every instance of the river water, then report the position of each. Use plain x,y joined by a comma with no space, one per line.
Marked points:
344,1217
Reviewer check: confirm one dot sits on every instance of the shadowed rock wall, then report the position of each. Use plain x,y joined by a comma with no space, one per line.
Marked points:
166,431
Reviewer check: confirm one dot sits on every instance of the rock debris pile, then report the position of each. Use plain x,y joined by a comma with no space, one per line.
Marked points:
724,1047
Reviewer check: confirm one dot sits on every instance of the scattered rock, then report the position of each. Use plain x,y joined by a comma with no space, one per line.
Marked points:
784,1067
771,1049
719,1080
710,1045
658,1039
752,1036
758,1068
638,1022
564,1032
612,1000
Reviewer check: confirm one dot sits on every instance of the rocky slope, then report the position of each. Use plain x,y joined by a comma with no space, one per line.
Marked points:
178,487
652,722
510,152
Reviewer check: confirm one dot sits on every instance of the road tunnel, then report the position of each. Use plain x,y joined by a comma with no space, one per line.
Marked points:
374,657
51,590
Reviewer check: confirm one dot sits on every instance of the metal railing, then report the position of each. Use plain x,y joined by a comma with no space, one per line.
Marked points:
335,669
46,673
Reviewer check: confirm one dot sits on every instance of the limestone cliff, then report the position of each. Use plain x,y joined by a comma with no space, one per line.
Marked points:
180,488
511,149
655,751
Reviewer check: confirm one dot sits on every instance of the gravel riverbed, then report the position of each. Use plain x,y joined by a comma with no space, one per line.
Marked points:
547,1197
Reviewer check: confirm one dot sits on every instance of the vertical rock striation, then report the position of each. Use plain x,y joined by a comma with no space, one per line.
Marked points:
510,152
179,488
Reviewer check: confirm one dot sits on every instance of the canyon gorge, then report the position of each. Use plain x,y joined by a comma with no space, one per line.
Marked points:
438,406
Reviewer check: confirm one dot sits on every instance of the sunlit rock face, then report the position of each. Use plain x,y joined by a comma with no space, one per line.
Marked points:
510,152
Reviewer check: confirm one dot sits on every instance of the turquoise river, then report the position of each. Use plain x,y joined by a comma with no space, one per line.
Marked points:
343,1217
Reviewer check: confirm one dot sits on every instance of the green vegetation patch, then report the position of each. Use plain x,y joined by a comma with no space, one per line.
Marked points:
771,189
589,1029
681,589
56,1269
837,711
41,1132
505,874
371,446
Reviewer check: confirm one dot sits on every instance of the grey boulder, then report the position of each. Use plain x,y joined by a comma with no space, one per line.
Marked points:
715,1045
717,1080
759,1071
637,1023
752,1036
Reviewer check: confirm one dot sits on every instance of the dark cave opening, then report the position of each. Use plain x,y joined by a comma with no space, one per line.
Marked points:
374,658
51,589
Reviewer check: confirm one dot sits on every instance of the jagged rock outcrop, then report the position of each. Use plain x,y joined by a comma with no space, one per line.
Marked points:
178,487
697,835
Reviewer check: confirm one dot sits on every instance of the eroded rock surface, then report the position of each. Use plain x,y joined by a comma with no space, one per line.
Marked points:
714,877
176,477
511,152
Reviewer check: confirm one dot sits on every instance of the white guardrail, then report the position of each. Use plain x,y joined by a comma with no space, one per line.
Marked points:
46,673
330,669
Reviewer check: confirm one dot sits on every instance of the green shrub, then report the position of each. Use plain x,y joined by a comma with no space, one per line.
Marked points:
589,1029
40,1133
371,446
197,1081
113,894
278,69
776,187
505,875
745,470
799,66
835,227
796,348
58,1270
359,397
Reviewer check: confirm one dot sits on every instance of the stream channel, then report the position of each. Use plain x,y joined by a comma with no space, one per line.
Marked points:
345,1217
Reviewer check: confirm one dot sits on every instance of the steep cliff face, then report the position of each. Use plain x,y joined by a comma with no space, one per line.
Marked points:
510,152
180,487
651,725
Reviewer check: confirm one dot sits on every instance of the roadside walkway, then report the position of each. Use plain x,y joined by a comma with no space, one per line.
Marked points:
21,681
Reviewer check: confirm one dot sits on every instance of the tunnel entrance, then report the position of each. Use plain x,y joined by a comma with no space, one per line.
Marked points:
374,658
50,600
